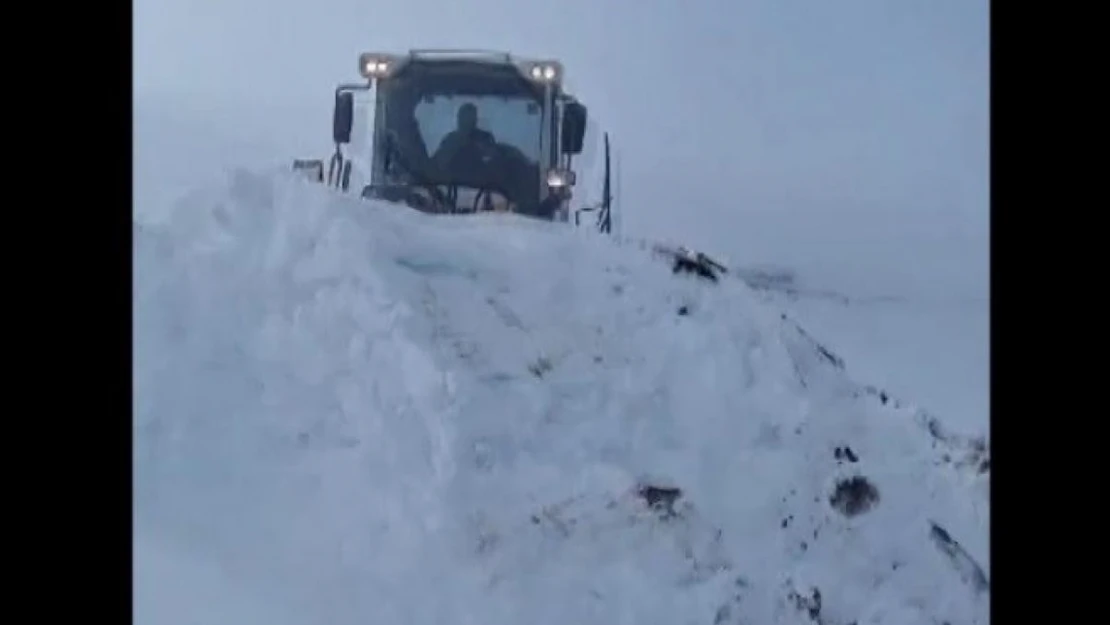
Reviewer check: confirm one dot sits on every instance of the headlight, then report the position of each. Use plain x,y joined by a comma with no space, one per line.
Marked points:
373,66
544,71
560,178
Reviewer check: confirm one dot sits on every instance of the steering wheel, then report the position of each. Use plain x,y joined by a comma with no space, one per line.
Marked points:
486,194
480,165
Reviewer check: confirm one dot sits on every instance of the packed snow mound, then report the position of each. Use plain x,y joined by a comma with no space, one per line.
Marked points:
376,415
174,587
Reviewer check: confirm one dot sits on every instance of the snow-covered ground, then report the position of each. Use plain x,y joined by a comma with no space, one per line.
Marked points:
356,414
936,352
906,305
903,297
175,585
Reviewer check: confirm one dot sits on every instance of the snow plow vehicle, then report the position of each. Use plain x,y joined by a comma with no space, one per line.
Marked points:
461,131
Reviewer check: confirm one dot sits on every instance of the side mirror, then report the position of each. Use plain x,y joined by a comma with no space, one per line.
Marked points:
574,128
343,117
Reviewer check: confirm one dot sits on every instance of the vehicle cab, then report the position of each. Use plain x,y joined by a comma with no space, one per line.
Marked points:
452,131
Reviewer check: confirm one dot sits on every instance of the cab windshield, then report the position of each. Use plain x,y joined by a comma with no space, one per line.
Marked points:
512,121
466,126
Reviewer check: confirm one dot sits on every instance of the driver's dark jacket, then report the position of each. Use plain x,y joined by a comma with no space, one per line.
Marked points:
460,158
457,140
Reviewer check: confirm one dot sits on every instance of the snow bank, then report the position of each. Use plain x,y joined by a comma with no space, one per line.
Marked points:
382,416
172,586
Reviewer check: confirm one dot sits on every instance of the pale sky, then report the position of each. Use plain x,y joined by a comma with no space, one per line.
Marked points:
853,105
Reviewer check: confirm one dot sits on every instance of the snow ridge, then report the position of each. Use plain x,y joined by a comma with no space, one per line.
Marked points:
372,413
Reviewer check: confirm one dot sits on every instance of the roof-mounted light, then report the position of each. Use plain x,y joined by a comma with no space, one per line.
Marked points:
375,65
544,72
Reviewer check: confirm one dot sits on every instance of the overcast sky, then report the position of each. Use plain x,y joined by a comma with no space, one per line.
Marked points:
726,105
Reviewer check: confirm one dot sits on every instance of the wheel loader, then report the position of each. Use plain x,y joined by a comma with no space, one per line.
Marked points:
461,131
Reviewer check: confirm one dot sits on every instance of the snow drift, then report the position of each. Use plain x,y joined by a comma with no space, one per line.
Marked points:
373,415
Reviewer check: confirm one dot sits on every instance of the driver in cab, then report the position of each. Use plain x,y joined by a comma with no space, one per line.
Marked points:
466,139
